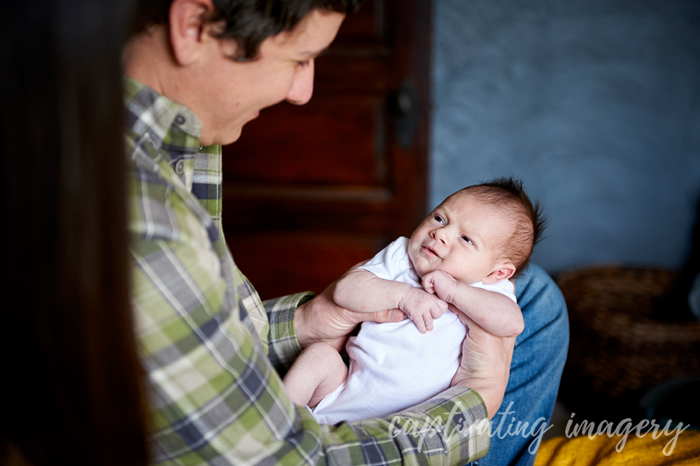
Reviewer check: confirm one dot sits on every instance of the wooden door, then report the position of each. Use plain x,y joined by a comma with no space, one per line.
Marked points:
311,190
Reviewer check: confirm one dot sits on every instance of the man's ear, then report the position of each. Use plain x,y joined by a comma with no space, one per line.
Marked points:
501,271
187,28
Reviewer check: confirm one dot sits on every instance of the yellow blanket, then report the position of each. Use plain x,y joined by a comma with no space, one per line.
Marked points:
635,451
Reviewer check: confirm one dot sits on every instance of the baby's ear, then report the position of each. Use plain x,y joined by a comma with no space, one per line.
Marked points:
501,271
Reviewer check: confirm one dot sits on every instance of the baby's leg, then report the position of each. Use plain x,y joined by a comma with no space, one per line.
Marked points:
317,371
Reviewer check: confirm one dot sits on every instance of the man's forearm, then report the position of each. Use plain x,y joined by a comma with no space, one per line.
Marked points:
490,390
485,364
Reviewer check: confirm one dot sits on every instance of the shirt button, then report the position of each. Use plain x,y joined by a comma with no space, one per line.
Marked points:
180,119
179,167
149,140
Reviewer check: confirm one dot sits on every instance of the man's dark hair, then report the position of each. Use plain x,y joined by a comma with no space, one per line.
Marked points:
508,194
248,22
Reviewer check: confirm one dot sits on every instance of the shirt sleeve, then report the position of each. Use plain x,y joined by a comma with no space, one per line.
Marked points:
504,287
390,262
283,345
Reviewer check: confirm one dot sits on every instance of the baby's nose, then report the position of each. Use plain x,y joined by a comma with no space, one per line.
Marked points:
439,234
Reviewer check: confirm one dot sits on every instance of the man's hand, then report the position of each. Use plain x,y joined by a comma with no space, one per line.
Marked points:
321,319
422,307
485,364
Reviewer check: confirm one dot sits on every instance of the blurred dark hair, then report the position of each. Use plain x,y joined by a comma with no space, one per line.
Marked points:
72,392
248,22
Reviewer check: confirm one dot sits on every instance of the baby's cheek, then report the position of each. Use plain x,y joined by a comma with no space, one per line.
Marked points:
422,267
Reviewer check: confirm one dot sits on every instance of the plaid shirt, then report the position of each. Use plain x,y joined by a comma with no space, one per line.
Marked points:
209,345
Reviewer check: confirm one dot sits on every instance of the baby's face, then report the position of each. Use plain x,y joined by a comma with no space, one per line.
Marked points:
459,237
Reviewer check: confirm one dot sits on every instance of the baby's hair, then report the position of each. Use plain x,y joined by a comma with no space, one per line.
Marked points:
508,194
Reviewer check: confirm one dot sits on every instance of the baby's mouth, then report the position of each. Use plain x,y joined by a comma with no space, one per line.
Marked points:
430,252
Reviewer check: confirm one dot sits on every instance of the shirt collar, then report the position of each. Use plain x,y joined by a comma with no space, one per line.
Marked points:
161,120
171,129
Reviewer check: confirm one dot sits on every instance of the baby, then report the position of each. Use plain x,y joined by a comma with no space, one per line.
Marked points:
460,257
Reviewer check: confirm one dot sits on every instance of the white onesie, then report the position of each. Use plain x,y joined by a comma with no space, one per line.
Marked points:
393,366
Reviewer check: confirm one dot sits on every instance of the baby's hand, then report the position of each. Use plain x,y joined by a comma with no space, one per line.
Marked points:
440,283
422,308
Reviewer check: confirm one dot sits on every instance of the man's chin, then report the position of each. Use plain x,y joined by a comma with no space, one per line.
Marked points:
229,138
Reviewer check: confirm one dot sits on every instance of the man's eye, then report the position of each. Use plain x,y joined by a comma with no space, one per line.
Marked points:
303,63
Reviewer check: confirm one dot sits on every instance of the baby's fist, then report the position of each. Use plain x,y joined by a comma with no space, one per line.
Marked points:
440,283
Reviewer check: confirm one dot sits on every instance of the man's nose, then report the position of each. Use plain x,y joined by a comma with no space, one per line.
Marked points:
303,85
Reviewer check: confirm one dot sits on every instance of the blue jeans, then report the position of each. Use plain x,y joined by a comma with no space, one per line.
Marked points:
538,361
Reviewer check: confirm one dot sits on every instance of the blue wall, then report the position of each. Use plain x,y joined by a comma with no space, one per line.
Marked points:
595,104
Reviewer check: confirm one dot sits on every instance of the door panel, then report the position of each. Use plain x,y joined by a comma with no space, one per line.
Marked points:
324,257
310,191
331,140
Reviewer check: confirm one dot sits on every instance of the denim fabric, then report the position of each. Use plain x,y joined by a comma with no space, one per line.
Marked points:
538,361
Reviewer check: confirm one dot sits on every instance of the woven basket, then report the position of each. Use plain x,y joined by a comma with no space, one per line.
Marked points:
617,350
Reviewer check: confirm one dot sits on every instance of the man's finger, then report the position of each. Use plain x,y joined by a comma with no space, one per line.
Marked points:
390,315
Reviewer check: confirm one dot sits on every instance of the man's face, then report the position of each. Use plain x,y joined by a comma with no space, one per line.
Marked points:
231,93
459,237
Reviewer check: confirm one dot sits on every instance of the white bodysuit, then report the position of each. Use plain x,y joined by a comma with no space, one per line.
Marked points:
393,366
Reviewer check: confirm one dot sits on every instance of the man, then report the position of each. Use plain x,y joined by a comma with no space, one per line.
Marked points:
198,70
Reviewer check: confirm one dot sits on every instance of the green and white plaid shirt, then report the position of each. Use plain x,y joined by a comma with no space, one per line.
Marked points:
209,345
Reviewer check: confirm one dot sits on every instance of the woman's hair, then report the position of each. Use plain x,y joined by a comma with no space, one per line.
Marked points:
248,22
72,391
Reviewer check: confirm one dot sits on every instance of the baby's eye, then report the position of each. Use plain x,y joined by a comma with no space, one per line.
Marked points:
303,63
438,219
465,238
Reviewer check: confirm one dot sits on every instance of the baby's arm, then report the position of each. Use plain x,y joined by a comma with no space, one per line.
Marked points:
494,312
362,291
